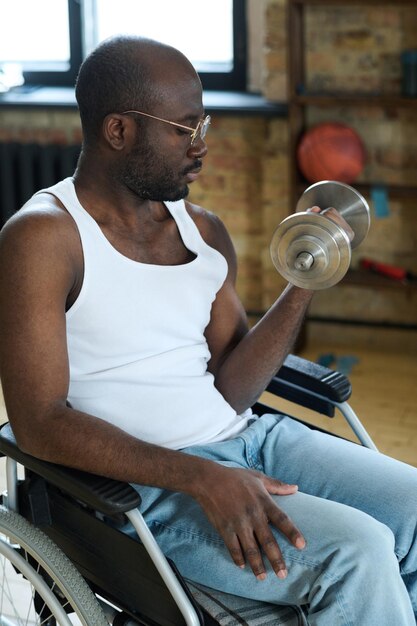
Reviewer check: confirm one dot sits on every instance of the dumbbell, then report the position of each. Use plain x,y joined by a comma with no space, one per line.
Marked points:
309,249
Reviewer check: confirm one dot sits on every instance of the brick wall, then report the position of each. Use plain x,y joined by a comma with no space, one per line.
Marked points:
37,126
245,183
245,177
358,48
347,47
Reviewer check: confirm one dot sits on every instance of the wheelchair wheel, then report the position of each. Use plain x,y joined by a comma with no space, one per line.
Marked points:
38,584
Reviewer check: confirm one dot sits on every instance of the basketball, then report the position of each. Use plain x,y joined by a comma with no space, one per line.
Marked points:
331,151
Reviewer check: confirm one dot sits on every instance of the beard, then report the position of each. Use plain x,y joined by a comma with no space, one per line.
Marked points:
144,174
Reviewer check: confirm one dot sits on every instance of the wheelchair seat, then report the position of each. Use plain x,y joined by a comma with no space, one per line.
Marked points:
87,527
85,517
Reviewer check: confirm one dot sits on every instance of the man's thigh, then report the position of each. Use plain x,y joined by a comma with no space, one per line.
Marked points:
343,491
187,537
332,468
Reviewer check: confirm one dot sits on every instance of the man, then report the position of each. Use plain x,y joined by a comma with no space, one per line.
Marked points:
125,352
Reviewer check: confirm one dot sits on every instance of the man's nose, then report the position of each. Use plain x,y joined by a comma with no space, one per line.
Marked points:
198,149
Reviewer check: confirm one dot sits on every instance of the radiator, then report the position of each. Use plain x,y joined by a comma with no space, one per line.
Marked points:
28,167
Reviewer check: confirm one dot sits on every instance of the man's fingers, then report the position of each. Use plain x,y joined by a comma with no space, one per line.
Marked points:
283,523
243,512
272,551
246,551
262,541
254,558
253,555
233,545
336,217
248,546
278,488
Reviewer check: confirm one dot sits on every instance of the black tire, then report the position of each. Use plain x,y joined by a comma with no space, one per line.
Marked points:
36,573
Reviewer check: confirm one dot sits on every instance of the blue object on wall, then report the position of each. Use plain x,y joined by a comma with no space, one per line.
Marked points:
379,196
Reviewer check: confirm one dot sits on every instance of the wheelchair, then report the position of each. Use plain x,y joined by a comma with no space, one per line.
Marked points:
65,556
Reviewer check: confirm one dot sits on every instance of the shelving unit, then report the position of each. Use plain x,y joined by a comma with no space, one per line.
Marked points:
299,99
383,100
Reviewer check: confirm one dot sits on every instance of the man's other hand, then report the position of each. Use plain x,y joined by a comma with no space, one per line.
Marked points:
238,503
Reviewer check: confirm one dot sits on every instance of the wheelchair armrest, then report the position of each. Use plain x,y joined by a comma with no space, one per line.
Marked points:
298,380
105,495
310,384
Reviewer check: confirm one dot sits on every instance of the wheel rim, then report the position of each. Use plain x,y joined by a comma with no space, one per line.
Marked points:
21,584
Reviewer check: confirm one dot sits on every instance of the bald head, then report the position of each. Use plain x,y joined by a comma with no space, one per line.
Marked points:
125,73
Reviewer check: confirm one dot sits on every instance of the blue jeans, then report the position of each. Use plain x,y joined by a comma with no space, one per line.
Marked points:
356,508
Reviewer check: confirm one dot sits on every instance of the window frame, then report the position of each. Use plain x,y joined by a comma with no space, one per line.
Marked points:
63,78
235,80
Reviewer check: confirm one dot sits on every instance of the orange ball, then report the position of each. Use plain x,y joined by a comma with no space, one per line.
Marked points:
331,151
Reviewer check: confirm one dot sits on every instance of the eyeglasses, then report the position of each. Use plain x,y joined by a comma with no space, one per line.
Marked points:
195,133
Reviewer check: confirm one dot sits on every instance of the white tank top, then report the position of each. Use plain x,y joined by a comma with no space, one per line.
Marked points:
137,351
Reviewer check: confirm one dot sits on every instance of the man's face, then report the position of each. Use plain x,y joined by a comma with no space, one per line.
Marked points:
153,174
162,161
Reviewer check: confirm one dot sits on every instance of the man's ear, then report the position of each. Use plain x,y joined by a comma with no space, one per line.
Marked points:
118,130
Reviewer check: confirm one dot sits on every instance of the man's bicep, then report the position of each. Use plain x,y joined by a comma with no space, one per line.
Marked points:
228,324
34,283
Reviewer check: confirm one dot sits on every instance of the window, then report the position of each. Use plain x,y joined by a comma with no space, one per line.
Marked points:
212,35
43,37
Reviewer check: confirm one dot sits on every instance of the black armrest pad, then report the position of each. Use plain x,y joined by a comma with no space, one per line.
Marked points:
102,494
332,385
310,385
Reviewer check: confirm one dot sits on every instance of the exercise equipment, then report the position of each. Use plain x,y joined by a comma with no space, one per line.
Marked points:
331,150
394,272
309,249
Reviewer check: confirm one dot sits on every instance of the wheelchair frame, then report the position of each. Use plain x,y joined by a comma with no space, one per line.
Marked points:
78,511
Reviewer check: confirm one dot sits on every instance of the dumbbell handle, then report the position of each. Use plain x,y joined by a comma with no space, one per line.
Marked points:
304,261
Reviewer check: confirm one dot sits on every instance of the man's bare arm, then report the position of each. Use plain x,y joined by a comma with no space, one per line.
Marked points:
38,267
243,361
38,270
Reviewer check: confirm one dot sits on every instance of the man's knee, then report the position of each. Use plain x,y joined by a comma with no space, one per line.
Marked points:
368,546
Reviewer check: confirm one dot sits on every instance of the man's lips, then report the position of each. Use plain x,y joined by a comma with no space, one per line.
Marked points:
192,173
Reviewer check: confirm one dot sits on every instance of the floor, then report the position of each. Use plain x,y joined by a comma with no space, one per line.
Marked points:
384,396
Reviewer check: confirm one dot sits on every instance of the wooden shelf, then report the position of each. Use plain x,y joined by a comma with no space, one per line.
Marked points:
360,278
339,99
360,2
299,101
394,191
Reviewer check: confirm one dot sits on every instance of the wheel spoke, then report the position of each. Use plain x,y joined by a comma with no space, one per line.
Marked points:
40,586
7,595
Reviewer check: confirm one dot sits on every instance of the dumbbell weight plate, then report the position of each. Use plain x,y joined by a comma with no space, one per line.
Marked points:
346,200
313,234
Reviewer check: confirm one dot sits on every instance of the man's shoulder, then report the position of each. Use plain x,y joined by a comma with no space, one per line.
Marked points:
42,221
209,224
213,230
39,212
